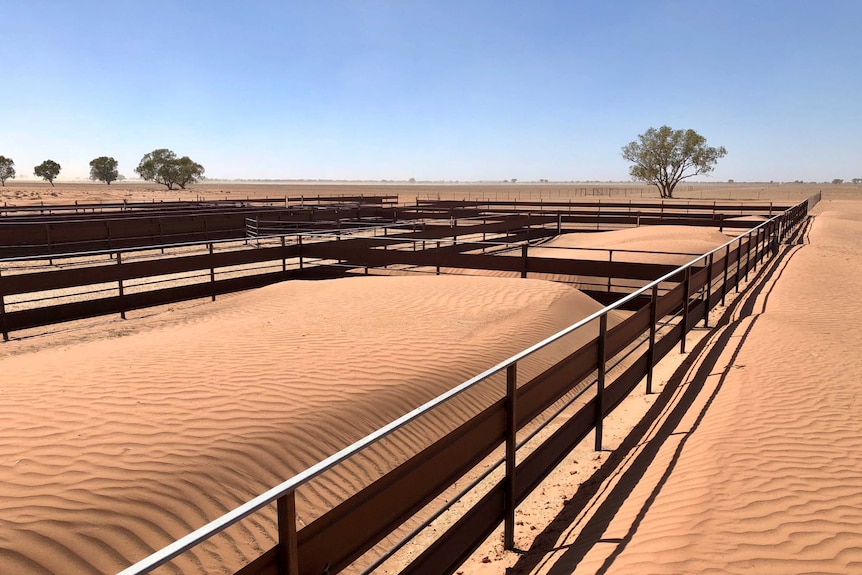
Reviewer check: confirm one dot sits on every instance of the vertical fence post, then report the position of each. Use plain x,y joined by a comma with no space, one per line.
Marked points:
120,283
736,272
600,382
653,304
524,256
707,305
511,444
686,289
288,559
212,272
747,255
757,251
283,259
299,249
724,281
4,327
438,257
610,260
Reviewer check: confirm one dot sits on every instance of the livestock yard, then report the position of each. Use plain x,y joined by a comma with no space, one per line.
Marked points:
410,378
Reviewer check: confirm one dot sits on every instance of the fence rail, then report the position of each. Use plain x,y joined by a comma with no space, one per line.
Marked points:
308,254
337,538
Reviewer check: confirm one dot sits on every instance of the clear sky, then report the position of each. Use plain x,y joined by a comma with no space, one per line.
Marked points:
435,90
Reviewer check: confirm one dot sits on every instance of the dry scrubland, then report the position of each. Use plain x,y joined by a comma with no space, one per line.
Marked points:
118,437
31,192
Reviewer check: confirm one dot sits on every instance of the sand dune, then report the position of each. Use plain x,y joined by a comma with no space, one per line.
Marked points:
753,465
677,240
115,447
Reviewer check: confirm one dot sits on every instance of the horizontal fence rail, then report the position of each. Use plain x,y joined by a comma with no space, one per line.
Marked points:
344,533
64,229
466,243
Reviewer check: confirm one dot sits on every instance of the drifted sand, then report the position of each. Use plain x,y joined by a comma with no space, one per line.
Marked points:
674,241
112,448
752,462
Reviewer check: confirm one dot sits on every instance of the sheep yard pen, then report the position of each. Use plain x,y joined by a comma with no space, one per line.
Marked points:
333,240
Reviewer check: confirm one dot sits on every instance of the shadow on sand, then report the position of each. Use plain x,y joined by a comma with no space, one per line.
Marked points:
596,508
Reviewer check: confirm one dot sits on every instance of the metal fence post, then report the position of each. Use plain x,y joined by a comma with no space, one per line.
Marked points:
724,281
299,249
212,272
736,272
600,382
687,287
3,325
747,255
707,305
757,251
288,559
511,444
120,283
653,304
524,256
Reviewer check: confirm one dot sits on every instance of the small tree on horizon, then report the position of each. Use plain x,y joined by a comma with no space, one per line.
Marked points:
838,181
163,167
104,169
856,180
7,169
48,171
664,157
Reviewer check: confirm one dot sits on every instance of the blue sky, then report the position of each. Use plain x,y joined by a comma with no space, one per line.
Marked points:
435,90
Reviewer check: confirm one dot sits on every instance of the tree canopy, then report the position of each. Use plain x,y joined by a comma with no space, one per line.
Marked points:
104,169
663,157
163,167
188,172
48,171
7,169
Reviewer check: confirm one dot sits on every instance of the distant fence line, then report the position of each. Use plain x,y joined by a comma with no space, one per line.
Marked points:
340,536
64,231
423,240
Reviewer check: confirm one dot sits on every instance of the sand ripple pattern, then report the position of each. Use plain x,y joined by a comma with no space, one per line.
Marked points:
770,481
112,448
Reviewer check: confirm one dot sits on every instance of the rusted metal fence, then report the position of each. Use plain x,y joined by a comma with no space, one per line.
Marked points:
60,233
337,538
453,245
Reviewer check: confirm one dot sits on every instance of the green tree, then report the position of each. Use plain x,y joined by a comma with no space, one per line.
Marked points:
838,181
664,157
48,171
159,166
855,180
188,171
104,169
163,167
7,169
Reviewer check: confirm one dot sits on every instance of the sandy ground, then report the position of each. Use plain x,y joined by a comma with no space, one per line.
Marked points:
126,440
748,462
116,446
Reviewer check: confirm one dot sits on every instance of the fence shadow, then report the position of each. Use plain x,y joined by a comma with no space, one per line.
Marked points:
736,322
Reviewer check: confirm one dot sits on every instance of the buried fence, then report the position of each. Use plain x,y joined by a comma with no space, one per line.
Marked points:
199,270
60,232
347,531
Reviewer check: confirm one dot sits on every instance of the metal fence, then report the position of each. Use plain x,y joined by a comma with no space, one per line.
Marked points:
337,538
